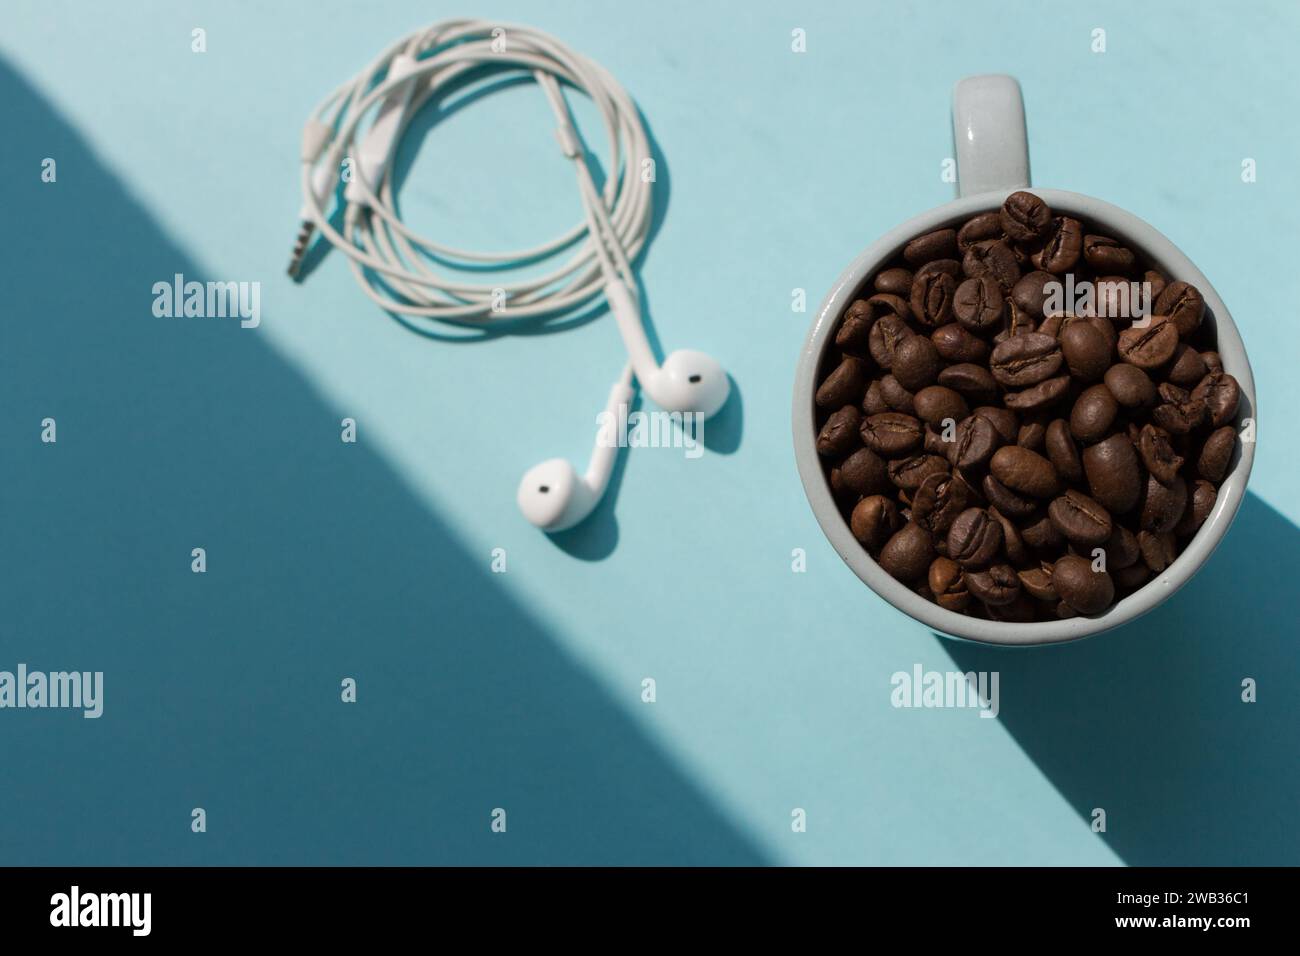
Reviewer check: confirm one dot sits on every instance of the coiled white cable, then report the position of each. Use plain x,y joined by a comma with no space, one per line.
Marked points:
396,267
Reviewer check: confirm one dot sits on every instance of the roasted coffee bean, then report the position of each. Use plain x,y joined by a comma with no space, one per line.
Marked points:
840,435
896,397
1019,611
1133,576
973,444
886,333
1025,472
1080,519
1187,367
992,258
948,267
873,521
1032,435
1131,386
1062,248
1179,411
1107,256
1086,351
864,473
948,585
1163,505
1016,322
1025,360
1024,216
916,362
1220,394
855,326
1114,473
1037,583
1158,454
1003,419
955,344
974,382
1158,550
1203,496
1082,588
978,304
932,295
873,402
974,538
940,244
1216,454
1122,548
1013,545
996,586
908,473
895,282
1093,414
1157,283
1007,501
1042,395
1211,360
1031,291
891,434
1150,346
1117,299
1184,305
844,386
907,555
987,225
1039,533
939,500
933,442
1062,451
936,403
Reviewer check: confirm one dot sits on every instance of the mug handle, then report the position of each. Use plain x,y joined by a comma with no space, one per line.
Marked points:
988,129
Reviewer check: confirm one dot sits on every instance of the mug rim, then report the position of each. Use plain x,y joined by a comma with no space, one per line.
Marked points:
1162,254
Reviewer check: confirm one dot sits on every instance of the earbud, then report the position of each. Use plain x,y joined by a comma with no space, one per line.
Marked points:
688,381
553,496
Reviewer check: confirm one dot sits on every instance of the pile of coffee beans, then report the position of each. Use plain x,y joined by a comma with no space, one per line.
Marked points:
1011,429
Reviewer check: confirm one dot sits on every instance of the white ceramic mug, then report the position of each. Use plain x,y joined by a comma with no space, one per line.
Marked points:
992,162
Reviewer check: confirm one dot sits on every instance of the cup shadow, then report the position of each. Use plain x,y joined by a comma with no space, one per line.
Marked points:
1148,722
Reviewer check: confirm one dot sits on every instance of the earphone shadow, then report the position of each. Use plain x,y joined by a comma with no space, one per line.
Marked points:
1148,723
223,689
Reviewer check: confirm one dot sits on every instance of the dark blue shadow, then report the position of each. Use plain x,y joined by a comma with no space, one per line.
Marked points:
222,690
1147,722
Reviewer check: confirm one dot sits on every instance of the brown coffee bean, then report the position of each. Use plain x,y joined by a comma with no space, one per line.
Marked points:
1202,498
882,341
1031,291
1122,548
1062,248
1107,256
1114,474
1119,299
1158,454
1184,305
978,304
1013,545
1019,611
1003,419
1220,394
1086,351
1061,450
1005,500
1081,520
873,402
955,344
1025,472
1037,582
1039,533
938,501
1187,367
874,519
907,555
1179,411
974,442
974,538
1163,505
1158,550
864,473
1212,361
1132,577
1131,386
908,473
974,382
1093,413
1157,283
937,402
1216,454
891,434
987,225
992,258
1032,435
896,397
1042,395
1024,216
932,295
940,244
855,326
1082,588
1025,360
839,435
844,386
1150,346
996,586
916,362
948,585
895,282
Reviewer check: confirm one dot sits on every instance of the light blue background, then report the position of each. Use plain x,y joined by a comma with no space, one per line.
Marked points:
522,690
